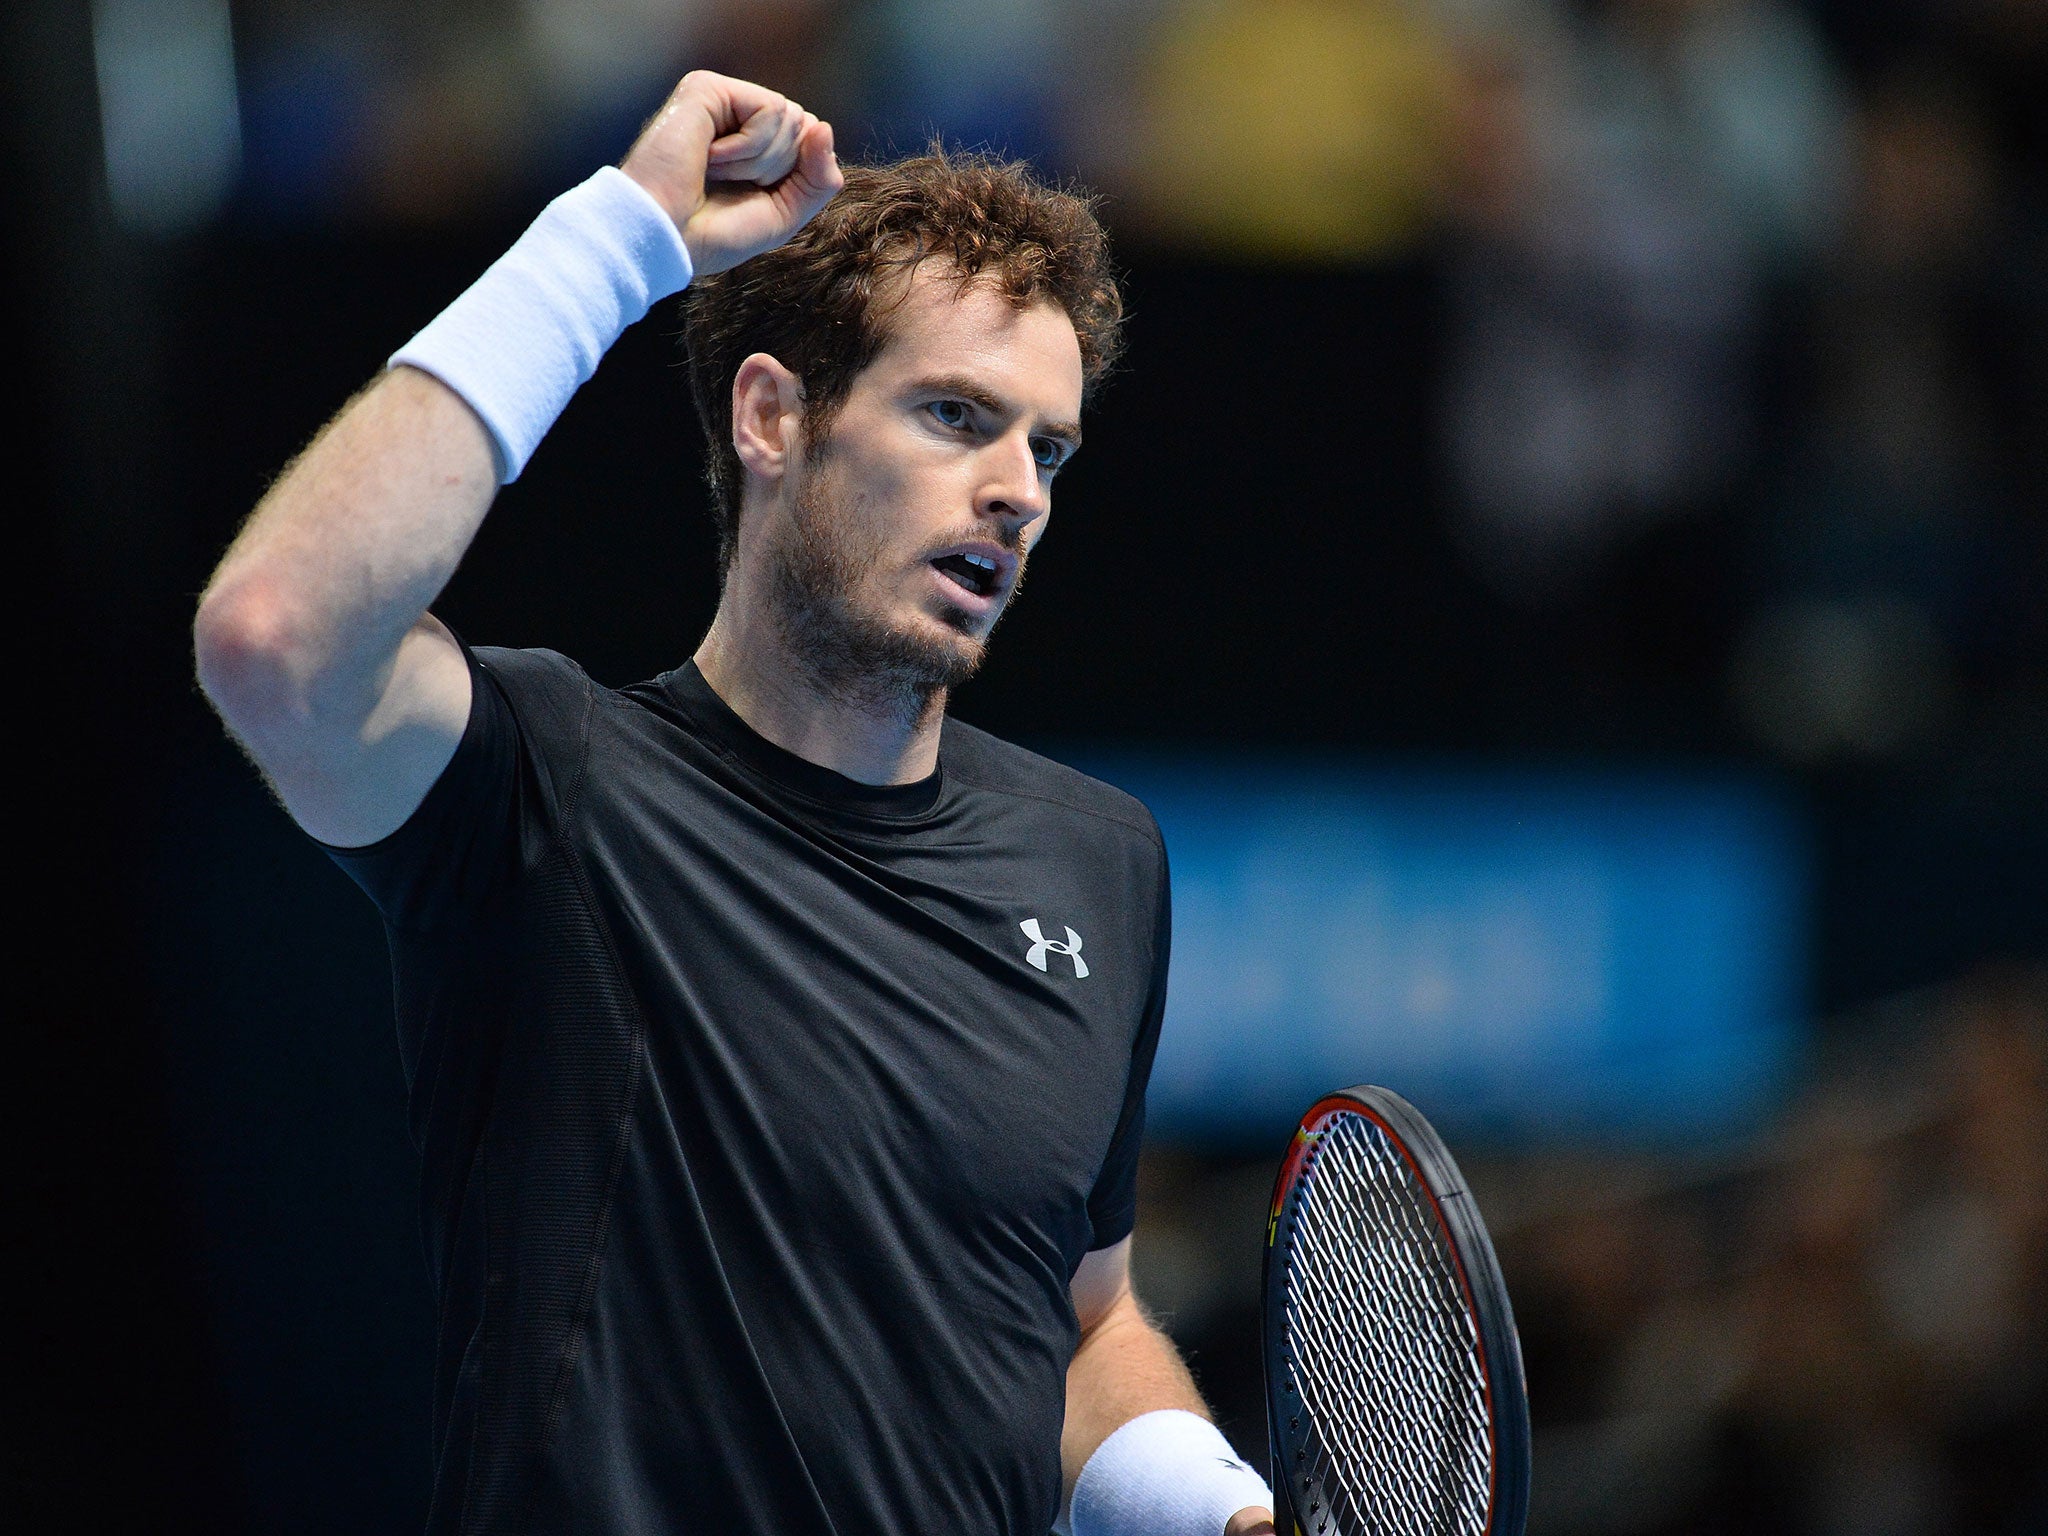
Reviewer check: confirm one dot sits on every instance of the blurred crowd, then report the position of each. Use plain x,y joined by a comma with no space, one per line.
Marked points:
1836,1328
1843,1331
1760,336
1742,365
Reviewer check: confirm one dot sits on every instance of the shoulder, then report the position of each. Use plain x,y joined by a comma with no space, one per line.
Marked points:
549,698
542,673
974,758
547,691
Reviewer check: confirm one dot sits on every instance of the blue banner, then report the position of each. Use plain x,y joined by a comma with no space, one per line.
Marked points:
1538,954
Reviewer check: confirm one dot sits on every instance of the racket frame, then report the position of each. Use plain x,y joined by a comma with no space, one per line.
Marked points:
1479,1277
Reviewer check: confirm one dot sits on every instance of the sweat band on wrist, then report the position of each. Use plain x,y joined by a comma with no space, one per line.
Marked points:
526,335
1167,1473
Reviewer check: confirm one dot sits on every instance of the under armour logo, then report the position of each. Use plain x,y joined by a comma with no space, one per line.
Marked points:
1040,945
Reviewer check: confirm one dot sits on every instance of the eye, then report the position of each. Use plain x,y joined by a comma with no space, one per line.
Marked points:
949,413
1049,452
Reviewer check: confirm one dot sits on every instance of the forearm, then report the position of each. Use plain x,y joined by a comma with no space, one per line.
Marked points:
343,556
1123,1367
1132,1452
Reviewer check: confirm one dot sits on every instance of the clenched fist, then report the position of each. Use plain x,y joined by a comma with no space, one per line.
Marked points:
740,168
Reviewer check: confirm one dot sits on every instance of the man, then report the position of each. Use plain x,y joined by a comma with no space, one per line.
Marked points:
776,1048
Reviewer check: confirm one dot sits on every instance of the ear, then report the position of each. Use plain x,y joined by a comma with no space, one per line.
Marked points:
767,415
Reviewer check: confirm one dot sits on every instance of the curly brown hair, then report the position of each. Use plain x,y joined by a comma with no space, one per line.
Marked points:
820,304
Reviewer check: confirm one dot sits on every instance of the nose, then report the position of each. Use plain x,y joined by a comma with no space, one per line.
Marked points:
1014,489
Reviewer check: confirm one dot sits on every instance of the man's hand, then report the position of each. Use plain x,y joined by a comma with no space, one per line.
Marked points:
740,168
1250,1522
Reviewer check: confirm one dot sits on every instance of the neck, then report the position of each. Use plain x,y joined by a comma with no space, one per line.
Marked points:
876,736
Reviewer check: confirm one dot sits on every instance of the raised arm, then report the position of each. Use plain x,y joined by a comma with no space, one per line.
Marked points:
313,638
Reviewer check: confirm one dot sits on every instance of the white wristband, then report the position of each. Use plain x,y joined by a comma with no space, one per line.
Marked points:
1166,1473
526,335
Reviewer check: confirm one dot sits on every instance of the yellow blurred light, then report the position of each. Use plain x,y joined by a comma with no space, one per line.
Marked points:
1303,129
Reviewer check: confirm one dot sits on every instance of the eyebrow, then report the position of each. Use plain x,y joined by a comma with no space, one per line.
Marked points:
1068,432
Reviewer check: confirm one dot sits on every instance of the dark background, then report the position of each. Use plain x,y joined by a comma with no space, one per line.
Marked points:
226,1313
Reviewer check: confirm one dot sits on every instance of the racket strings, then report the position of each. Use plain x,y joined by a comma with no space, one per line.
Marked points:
1393,1435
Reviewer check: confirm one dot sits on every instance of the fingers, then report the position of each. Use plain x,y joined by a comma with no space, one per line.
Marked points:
765,147
744,169
729,103
815,178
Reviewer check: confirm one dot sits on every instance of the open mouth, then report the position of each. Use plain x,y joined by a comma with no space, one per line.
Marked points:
977,573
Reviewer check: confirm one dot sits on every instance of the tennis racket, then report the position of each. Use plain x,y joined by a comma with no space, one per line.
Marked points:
1393,1373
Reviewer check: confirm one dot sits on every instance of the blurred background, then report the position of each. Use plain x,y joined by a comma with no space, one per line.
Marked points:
1565,560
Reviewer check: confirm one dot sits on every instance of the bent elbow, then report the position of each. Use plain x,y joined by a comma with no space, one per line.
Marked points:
248,658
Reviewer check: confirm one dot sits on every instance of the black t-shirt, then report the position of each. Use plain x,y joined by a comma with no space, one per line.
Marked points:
764,1115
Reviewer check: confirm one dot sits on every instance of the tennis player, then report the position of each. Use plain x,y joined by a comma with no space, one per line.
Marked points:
776,1046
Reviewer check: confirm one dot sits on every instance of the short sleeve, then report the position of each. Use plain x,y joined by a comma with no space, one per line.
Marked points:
1113,1203
494,806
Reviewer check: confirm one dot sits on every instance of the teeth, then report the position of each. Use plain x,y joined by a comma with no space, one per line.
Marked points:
982,561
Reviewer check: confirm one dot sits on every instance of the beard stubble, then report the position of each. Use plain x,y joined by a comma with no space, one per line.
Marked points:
820,569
